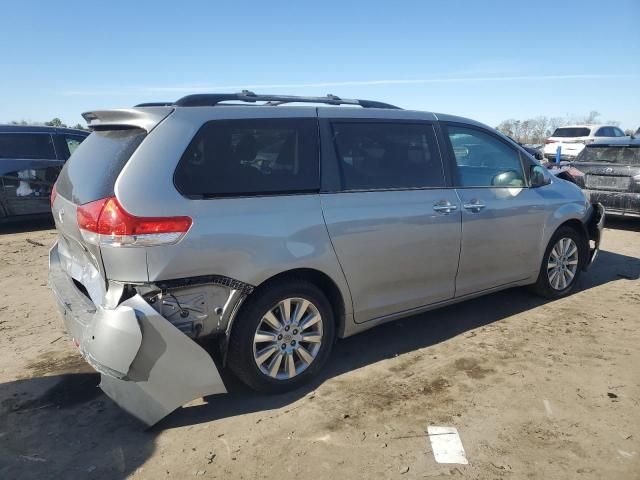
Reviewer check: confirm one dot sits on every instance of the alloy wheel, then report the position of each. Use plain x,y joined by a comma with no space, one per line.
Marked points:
562,264
288,338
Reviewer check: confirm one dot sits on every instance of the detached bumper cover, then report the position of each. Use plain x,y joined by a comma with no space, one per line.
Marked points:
147,366
595,224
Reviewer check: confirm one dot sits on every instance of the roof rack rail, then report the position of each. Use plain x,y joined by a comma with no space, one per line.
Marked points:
212,99
154,104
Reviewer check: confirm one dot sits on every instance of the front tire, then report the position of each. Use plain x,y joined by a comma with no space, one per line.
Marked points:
282,337
561,265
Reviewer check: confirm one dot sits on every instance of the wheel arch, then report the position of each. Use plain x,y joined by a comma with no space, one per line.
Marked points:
324,282
580,228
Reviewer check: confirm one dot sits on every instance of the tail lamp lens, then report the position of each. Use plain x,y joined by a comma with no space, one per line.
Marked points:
106,222
54,194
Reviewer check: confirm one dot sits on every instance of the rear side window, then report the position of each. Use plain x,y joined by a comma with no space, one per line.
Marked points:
571,132
27,145
91,172
67,144
604,132
73,142
374,156
251,157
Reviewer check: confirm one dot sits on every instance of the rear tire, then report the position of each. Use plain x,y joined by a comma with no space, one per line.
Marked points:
282,337
562,264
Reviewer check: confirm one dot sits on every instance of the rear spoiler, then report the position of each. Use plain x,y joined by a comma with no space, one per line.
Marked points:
145,118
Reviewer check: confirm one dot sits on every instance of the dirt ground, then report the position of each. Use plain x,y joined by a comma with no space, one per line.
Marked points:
536,389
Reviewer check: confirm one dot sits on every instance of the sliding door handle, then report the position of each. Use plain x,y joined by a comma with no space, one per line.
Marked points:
474,207
445,207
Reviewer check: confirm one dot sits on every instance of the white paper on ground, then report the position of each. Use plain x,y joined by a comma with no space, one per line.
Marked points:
446,445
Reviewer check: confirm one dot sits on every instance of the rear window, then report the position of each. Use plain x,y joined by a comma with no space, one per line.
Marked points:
571,132
90,174
27,145
622,155
250,157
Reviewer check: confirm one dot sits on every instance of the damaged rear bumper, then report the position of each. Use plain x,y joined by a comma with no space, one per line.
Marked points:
595,224
147,366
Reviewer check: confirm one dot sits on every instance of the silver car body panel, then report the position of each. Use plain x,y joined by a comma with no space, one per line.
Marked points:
108,338
389,254
571,205
80,260
383,240
515,226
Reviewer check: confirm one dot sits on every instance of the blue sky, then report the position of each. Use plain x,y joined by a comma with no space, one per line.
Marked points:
488,60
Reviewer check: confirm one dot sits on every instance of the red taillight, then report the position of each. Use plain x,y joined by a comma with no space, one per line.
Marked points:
88,215
105,221
54,194
548,141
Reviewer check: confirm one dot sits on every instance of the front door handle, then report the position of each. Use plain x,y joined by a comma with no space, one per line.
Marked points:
445,207
474,206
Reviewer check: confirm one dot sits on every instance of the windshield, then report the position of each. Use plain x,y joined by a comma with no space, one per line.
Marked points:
627,155
571,132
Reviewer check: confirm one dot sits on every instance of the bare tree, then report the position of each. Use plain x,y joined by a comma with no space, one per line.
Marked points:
526,131
592,117
531,130
539,129
536,130
506,127
555,122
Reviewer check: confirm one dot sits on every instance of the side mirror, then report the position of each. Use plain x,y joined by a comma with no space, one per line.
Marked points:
539,156
508,178
539,176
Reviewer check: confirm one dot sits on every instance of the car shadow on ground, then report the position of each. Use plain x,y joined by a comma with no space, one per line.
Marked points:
623,223
64,426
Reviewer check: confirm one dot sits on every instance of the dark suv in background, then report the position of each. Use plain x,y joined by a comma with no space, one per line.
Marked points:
609,172
31,158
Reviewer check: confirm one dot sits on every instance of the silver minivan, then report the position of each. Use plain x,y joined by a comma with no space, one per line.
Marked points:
278,227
